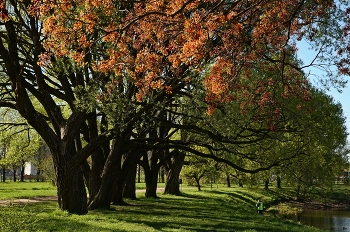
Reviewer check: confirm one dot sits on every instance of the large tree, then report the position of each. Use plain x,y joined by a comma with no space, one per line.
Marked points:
116,65
325,155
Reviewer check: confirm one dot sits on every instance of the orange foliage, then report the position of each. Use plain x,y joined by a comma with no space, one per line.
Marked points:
156,43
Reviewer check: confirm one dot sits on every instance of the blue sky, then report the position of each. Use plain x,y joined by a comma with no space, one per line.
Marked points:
307,55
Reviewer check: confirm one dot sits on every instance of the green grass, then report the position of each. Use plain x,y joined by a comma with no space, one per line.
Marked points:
142,185
217,209
15,190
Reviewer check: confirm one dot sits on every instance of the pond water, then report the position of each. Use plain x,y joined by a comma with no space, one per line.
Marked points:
331,220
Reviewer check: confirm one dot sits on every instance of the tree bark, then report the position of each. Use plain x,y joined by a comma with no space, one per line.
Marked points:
197,179
161,174
109,177
38,175
14,175
70,186
71,192
172,185
151,169
278,182
22,173
228,180
151,184
129,190
266,184
240,183
138,173
128,171
3,174
98,157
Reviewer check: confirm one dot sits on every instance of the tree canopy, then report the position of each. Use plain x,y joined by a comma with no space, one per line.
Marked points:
121,82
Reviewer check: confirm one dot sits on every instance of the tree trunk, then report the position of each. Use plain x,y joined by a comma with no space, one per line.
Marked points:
109,176
22,173
38,175
57,131
117,198
278,182
198,183
138,173
151,184
98,157
240,183
172,185
161,174
228,180
14,175
97,163
151,174
70,186
129,190
3,174
128,171
71,192
266,184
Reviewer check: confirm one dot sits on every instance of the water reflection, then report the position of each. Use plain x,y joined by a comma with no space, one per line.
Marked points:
331,220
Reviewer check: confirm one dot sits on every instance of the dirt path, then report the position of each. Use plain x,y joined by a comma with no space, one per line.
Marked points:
32,200
27,201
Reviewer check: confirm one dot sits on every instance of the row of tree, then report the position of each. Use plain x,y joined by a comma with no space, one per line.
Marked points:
19,146
111,85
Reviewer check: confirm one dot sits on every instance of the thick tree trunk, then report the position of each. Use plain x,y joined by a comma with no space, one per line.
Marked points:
98,157
151,175
117,198
70,186
94,181
129,190
151,184
57,131
71,192
128,171
109,176
172,185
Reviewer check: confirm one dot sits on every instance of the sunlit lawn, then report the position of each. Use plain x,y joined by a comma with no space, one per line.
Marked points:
217,209
15,190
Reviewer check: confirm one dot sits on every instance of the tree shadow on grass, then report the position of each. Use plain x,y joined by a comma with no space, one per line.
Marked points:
217,211
191,213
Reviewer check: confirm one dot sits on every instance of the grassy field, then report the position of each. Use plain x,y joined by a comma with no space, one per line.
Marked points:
15,190
217,209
